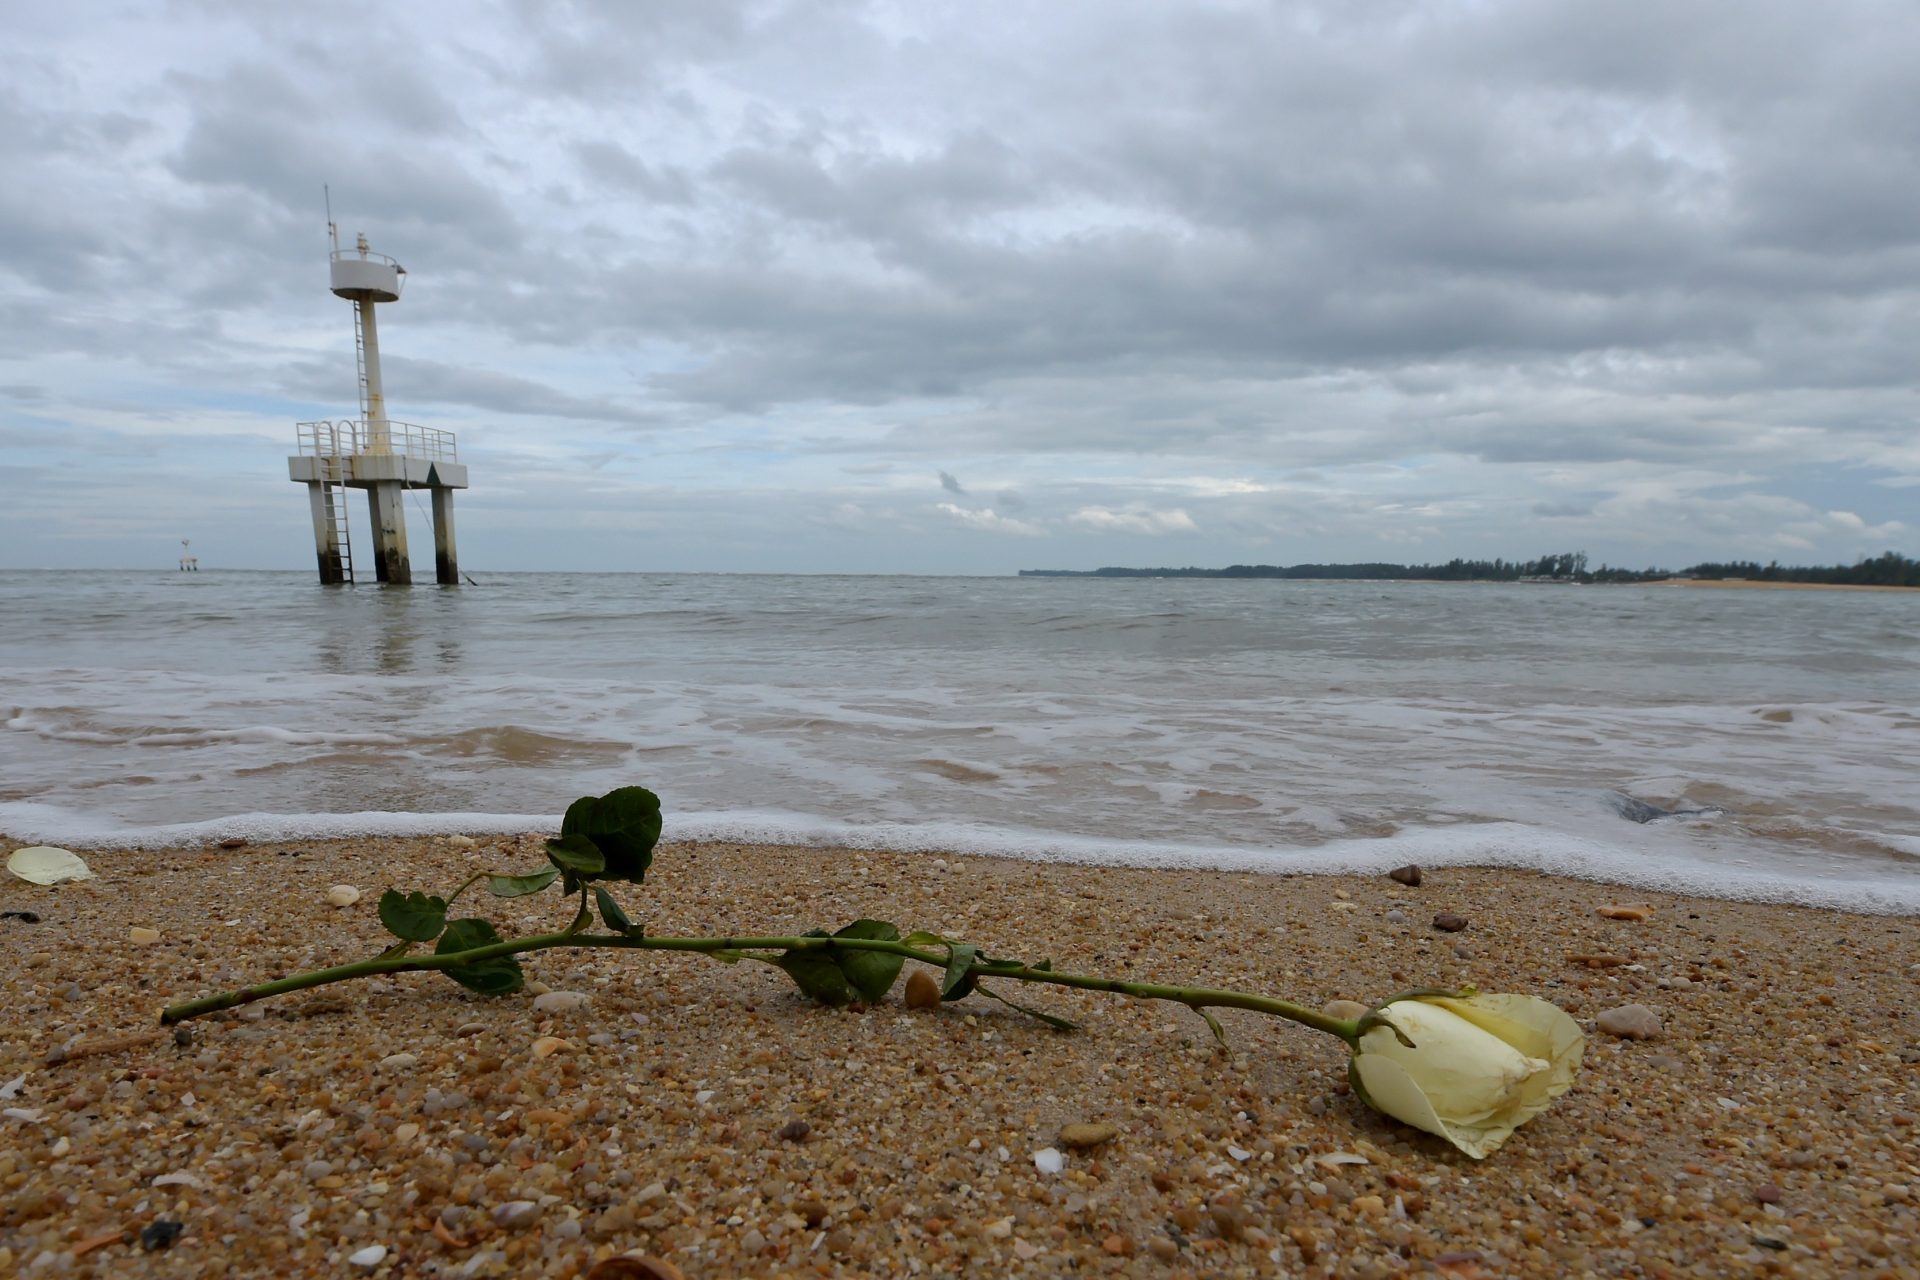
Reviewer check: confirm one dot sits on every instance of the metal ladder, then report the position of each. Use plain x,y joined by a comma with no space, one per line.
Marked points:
333,473
360,361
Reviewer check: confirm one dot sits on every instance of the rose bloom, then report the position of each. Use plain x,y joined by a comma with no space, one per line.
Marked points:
1480,1066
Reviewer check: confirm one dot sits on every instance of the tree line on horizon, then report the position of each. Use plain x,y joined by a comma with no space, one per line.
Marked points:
1890,569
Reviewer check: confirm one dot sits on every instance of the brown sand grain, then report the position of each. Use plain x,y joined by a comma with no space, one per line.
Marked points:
1768,1131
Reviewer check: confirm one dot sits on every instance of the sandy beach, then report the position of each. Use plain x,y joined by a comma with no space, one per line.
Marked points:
706,1114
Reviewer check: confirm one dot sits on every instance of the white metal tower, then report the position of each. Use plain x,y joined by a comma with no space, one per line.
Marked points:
373,452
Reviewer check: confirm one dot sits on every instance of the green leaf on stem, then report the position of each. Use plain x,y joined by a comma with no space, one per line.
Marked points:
623,826
521,886
413,917
610,911
576,855
496,976
871,973
957,983
1213,1025
815,973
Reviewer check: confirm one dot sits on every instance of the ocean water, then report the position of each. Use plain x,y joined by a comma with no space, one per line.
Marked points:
1283,726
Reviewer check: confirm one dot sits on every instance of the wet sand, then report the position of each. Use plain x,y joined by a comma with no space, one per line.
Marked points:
1770,1130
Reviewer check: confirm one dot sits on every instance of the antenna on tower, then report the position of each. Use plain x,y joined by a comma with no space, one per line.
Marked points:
333,232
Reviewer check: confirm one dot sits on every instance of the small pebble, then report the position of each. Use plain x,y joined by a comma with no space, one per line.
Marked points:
1086,1136
1630,1022
399,1061
343,895
922,991
368,1258
141,936
1407,875
547,1046
160,1234
234,842
1396,916
514,1213
1449,922
1048,1160
1767,1193
559,1001
793,1131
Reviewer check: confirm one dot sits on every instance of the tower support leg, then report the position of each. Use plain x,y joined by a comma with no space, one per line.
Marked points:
446,559
326,548
385,500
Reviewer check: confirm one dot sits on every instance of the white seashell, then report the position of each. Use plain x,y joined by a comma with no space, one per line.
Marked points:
28,1115
1335,1158
45,864
179,1179
11,1089
370,1257
343,895
1047,1160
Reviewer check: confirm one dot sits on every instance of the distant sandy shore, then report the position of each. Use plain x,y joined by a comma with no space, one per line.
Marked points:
706,1114
1752,584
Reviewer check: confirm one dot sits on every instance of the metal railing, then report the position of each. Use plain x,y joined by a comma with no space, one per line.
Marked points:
346,437
364,255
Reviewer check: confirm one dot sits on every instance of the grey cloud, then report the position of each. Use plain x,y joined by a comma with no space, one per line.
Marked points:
432,382
612,164
951,485
1289,243
1562,510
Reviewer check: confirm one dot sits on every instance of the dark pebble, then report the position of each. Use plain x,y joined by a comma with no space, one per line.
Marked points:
1407,875
24,917
1448,922
160,1234
794,1131
233,842
183,1037
1768,1242
1767,1193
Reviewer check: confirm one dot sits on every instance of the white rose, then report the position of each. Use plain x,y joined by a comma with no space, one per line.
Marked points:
1480,1066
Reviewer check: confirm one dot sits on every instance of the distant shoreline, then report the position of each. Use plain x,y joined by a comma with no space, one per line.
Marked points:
1762,585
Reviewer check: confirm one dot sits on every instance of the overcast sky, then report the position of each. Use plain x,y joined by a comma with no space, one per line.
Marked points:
971,287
